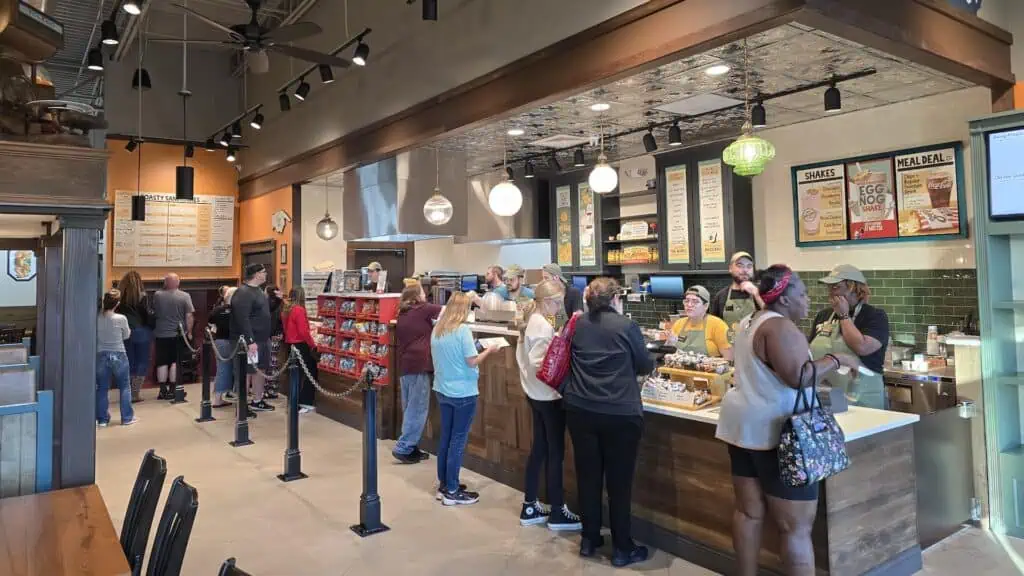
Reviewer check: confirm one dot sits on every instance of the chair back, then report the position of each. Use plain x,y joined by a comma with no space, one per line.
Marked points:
141,508
228,568
173,532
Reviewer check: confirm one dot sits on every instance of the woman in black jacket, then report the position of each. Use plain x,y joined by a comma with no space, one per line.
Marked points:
135,307
604,414
276,302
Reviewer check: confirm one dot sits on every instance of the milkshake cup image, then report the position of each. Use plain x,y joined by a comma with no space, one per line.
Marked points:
940,189
810,221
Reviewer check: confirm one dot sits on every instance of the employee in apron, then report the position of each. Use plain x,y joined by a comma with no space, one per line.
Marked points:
698,331
852,326
740,299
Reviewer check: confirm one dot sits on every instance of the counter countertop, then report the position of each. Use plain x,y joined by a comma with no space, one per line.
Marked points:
372,295
494,329
857,422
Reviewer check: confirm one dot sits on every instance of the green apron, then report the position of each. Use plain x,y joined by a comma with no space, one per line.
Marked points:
868,391
733,312
693,340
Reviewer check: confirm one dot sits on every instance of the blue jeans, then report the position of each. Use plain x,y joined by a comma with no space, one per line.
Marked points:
137,347
225,370
415,405
456,418
113,365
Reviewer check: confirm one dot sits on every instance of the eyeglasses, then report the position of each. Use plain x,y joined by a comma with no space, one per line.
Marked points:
693,301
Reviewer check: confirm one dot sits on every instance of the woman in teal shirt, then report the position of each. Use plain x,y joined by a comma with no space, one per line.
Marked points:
456,372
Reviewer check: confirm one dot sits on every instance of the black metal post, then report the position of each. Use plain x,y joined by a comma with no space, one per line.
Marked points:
179,388
292,455
242,406
369,501
205,409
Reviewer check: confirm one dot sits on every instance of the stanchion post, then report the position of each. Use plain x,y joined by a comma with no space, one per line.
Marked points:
292,455
205,408
242,406
369,501
179,388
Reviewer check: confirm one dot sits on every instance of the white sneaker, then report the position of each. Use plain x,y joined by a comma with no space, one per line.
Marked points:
303,409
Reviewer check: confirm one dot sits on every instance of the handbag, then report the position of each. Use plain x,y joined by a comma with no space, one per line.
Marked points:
555,366
812,446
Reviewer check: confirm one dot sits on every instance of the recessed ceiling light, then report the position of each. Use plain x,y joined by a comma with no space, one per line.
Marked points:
600,106
516,131
717,70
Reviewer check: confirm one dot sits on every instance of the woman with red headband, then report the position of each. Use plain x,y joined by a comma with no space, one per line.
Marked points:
771,354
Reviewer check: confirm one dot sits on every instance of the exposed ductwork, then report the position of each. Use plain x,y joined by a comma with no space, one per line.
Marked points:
528,225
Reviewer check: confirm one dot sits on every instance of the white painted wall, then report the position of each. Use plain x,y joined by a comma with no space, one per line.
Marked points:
444,254
15,293
933,120
315,250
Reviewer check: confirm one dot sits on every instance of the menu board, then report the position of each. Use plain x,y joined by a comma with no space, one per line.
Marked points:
588,248
677,215
563,229
872,200
174,233
1006,174
927,193
712,219
821,203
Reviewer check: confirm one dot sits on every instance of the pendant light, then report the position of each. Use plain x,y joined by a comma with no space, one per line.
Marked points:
108,33
603,178
94,60
438,209
184,175
748,154
326,228
133,7
758,116
528,170
138,199
577,158
505,199
141,80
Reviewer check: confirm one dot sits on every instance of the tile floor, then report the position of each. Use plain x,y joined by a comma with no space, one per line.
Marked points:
301,528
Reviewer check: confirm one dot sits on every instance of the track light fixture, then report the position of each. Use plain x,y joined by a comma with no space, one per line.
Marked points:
141,80
210,145
231,154
326,74
190,150
133,7
430,10
302,91
577,158
362,54
554,163
511,174
833,99
95,60
528,169
758,116
675,135
284,101
650,144
257,121
131,145
236,129
225,139
108,33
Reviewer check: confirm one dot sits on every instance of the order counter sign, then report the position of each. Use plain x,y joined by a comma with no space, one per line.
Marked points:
927,193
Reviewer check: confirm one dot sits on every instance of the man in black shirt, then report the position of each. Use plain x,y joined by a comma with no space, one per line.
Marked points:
852,326
250,319
740,299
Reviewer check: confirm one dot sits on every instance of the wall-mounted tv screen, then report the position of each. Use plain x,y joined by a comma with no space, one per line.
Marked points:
1006,174
470,283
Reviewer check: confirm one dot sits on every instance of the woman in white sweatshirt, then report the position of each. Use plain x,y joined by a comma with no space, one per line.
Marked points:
535,336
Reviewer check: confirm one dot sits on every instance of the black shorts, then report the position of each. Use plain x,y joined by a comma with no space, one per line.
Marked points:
169,350
263,358
764,466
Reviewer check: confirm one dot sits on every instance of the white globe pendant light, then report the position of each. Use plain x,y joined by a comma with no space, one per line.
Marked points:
603,178
438,209
505,199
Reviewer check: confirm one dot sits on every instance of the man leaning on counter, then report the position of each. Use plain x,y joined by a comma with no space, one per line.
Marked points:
740,299
699,331
852,326
512,288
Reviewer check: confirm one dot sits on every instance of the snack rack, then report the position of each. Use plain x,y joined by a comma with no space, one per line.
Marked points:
354,333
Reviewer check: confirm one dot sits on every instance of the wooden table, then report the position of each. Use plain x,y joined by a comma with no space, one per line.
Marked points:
57,533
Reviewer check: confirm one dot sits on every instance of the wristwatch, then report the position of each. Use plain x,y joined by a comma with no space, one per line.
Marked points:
844,316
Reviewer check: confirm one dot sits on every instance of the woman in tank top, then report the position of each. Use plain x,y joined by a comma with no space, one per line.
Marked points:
771,353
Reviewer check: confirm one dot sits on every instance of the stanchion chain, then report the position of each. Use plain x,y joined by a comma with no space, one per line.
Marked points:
325,392
184,338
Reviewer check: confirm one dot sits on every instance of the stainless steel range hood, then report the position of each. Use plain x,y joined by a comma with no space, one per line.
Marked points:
530,224
384,201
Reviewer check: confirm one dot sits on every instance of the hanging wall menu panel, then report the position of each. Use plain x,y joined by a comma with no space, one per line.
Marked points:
563,225
928,192
872,199
712,209
588,232
677,215
174,233
821,204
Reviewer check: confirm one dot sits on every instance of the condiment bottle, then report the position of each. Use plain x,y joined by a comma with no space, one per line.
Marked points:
932,347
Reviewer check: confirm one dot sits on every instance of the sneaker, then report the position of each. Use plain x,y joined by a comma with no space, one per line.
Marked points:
269,395
130,422
440,493
533,513
304,409
230,395
419,455
460,498
105,424
634,556
165,394
406,458
563,519
261,406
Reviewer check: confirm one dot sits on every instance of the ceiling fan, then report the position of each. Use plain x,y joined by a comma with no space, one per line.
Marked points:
255,40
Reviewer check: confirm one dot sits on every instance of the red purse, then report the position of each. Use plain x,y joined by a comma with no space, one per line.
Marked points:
555,366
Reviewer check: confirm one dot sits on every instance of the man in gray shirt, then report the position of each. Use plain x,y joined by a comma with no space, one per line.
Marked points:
174,315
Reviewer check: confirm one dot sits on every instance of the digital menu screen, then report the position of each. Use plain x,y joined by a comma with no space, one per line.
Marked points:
1006,174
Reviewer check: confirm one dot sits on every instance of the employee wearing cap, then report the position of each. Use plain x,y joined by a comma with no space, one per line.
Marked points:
740,299
852,326
373,274
699,331
573,295
513,289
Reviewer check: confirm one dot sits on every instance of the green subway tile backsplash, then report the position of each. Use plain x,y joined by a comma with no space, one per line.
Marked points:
913,299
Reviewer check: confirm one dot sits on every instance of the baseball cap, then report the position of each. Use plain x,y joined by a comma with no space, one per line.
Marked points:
700,291
374,266
254,269
844,272
514,270
552,269
741,254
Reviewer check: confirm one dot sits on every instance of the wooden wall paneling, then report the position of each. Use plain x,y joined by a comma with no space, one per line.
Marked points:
51,177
